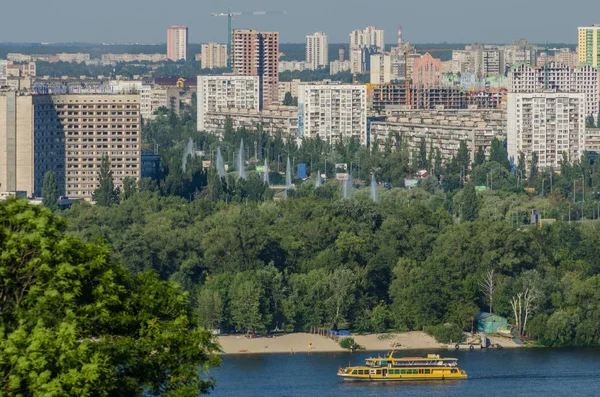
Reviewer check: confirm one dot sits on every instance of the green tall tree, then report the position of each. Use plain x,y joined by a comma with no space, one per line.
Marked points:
73,322
129,187
479,157
469,203
522,166
499,153
533,169
463,158
50,192
289,100
422,155
106,194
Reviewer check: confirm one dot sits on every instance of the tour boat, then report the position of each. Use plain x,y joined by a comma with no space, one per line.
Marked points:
390,368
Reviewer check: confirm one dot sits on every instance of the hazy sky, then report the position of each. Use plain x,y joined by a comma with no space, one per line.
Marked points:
145,21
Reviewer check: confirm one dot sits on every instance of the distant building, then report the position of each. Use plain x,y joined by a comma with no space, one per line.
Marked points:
256,53
297,66
381,69
336,67
317,50
520,52
214,56
288,86
369,37
177,42
71,58
549,123
272,120
427,72
21,69
588,45
67,134
333,112
217,93
116,58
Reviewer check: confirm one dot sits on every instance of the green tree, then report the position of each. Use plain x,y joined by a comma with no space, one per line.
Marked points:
533,169
289,100
479,157
129,187
106,194
499,153
73,322
469,203
210,308
244,297
50,192
463,158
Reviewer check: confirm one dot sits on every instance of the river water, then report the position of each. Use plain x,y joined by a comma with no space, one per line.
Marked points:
505,373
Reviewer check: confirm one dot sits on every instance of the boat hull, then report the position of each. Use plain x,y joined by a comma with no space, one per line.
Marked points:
400,379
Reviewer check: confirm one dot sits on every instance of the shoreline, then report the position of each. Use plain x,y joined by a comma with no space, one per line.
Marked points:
306,343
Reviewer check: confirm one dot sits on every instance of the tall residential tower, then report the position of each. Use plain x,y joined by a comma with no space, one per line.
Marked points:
317,50
177,41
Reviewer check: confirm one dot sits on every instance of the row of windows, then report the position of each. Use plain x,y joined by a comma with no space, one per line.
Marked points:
393,372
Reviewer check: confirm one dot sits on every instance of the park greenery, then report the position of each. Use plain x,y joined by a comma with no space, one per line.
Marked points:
459,243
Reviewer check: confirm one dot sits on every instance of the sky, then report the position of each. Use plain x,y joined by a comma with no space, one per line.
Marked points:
423,21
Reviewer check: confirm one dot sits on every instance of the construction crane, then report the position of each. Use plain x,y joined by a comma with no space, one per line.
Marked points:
408,79
230,16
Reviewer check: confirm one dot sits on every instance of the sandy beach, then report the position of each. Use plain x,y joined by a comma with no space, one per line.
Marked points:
299,343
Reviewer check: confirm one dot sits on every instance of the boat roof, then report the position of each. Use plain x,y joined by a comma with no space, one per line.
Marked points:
431,357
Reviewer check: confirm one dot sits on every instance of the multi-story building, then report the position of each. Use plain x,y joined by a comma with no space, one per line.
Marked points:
480,59
336,67
272,120
256,53
3,72
332,112
427,72
116,58
442,129
381,69
299,66
217,93
288,86
583,79
317,50
588,45
548,123
565,57
369,37
69,135
462,62
71,58
21,69
214,56
154,97
520,52
177,42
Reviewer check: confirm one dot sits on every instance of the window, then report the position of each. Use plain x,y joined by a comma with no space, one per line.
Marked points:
427,371
354,372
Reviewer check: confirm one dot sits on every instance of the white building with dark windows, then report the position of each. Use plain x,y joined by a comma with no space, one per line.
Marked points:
332,112
317,50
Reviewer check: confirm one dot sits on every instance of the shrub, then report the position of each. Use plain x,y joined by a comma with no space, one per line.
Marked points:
350,344
446,333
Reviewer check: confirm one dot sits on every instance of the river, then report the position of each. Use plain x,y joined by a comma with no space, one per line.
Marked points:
505,373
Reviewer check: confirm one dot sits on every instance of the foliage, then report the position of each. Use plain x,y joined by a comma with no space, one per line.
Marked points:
50,193
106,194
74,322
350,344
446,333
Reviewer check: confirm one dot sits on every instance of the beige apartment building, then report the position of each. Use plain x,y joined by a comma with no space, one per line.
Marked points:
67,134
588,45
214,56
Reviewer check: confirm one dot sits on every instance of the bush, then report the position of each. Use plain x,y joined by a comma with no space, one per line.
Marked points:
446,333
350,344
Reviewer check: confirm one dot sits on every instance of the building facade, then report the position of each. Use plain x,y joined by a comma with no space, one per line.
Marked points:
177,42
256,53
336,67
368,37
588,45
520,52
273,120
317,50
214,56
116,58
550,124
427,72
583,79
217,93
69,135
381,69
332,112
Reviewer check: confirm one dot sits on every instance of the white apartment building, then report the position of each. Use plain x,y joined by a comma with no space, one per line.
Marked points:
3,71
216,93
356,63
317,50
584,79
381,69
520,52
298,66
548,123
369,37
116,58
177,41
336,67
332,112
214,56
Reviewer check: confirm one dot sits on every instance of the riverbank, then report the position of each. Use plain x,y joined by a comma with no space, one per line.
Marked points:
300,343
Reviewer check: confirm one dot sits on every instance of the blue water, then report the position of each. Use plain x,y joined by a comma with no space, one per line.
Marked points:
506,373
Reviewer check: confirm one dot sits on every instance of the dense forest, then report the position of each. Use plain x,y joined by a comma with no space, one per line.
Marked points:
432,255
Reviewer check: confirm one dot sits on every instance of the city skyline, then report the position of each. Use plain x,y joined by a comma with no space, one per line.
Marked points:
146,25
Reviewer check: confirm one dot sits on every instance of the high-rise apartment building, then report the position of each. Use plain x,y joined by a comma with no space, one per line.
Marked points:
214,56
332,112
549,123
317,50
520,52
583,79
427,72
67,134
381,69
177,41
369,37
217,93
588,45
256,53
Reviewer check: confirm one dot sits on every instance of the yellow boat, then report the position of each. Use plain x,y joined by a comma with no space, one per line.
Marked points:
390,368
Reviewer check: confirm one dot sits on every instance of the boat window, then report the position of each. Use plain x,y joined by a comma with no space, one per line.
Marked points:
453,371
403,371
384,362
420,371
427,371
378,372
354,372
